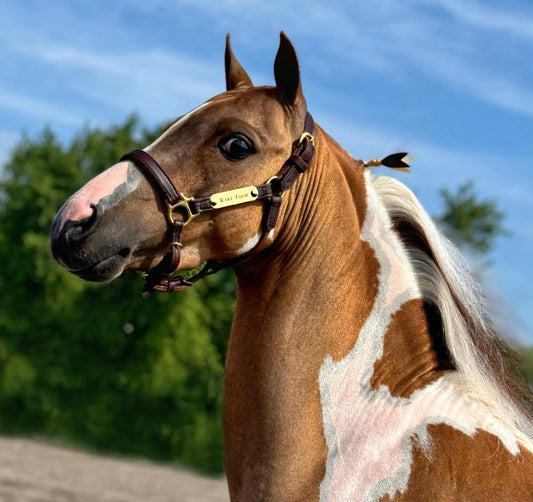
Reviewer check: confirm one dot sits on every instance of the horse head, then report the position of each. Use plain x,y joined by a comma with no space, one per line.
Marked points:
238,139
361,359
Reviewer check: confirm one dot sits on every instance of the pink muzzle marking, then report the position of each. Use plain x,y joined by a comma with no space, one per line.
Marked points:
79,207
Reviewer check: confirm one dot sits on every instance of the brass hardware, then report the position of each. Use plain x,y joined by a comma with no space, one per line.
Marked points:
307,135
177,244
184,204
270,180
234,197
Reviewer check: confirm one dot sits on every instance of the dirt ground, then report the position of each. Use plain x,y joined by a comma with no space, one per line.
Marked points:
31,471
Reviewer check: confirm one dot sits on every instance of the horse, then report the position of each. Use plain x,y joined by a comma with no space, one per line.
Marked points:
362,364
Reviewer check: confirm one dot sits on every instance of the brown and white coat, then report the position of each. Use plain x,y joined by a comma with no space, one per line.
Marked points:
361,364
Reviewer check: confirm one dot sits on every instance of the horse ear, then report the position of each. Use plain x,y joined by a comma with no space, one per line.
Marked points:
235,74
287,71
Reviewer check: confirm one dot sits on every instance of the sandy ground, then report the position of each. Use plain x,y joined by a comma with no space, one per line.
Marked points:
38,472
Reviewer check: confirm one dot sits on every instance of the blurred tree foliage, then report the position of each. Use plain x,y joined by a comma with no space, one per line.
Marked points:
470,221
475,223
526,355
99,364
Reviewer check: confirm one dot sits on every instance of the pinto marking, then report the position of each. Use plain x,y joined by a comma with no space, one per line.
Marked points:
248,245
106,190
253,241
306,415
370,433
113,184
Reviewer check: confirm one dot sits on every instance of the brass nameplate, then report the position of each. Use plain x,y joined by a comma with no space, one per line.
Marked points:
234,197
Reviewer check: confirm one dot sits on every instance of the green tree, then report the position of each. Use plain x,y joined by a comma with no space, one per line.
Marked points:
475,222
101,365
526,355
469,220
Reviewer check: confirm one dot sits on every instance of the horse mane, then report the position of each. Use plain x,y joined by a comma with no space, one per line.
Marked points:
485,366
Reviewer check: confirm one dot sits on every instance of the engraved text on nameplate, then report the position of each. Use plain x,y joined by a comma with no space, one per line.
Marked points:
234,197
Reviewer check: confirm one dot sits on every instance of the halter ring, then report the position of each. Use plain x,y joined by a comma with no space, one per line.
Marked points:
308,135
185,205
269,182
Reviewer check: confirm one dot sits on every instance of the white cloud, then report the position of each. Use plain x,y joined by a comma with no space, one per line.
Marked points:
435,165
160,83
34,107
488,18
474,77
380,38
383,37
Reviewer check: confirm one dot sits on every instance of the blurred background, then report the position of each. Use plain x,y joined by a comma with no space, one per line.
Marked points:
450,81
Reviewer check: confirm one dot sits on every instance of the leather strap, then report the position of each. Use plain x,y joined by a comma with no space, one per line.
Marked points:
167,191
157,177
158,278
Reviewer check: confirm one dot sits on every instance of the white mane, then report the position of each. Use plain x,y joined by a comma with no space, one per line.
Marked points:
478,354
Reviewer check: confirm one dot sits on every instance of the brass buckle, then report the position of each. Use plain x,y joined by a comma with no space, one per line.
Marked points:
307,135
185,205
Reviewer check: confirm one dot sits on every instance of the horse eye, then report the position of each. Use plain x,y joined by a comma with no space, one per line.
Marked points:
236,146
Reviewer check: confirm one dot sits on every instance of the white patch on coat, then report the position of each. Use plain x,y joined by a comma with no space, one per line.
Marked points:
253,241
248,245
370,434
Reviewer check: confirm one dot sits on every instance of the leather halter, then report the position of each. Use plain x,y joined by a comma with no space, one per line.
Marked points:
159,278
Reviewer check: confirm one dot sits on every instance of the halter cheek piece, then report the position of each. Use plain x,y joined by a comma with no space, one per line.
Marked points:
176,203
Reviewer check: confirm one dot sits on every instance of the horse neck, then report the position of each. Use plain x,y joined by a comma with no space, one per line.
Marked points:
316,283
307,299
336,268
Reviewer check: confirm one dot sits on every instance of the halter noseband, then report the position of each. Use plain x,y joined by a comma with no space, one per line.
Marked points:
158,278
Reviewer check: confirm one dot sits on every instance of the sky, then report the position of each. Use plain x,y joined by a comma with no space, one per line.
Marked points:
449,81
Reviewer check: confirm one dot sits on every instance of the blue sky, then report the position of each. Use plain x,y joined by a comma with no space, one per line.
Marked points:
451,81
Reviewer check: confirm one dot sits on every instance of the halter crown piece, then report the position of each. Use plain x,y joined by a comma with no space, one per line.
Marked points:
181,210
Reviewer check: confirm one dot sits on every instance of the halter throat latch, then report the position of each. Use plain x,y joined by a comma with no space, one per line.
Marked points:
160,277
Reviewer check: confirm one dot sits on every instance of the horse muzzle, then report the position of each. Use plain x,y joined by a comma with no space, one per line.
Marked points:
75,245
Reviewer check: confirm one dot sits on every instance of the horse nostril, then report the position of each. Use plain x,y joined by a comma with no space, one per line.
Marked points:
87,223
68,237
73,230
